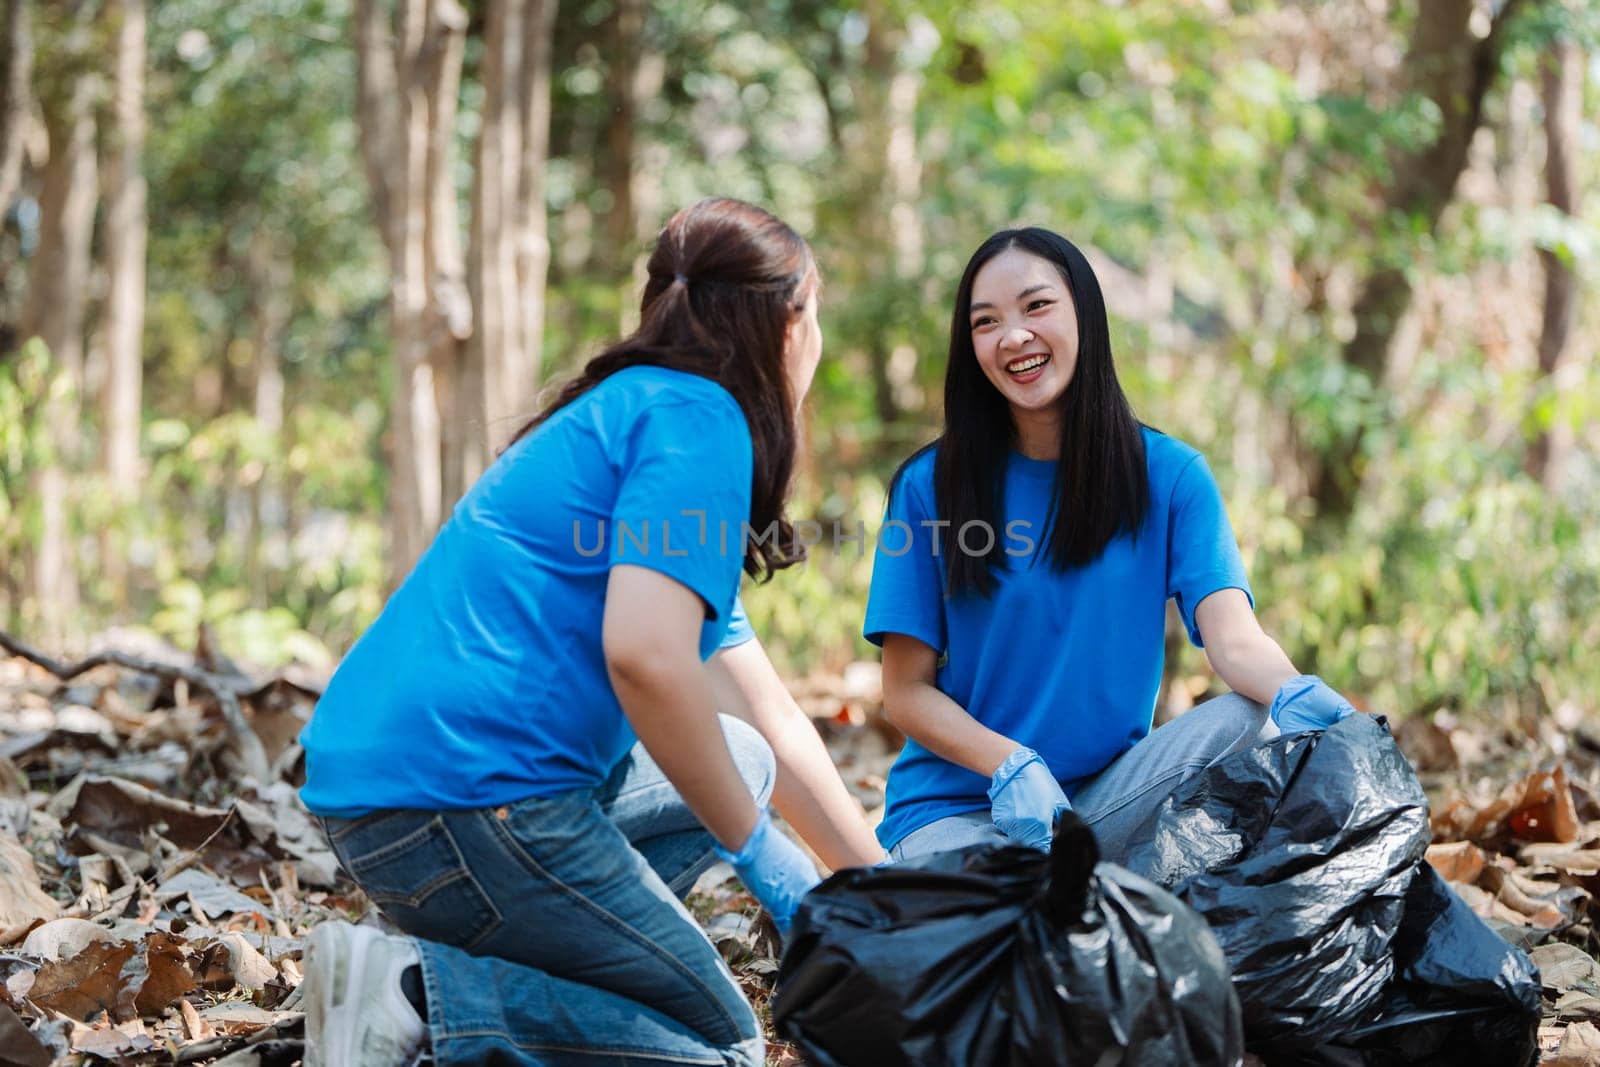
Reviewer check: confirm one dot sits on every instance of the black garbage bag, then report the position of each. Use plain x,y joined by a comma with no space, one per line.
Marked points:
993,956
1461,993
1304,854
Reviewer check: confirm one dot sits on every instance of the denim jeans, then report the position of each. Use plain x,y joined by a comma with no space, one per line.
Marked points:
1121,802
552,930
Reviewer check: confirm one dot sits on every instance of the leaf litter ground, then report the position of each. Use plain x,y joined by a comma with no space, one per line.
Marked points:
158,877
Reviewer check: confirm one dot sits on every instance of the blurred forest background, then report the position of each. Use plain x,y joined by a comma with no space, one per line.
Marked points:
277,276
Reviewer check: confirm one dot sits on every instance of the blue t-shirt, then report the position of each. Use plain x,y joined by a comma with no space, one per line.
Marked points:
483,681
1067,663
739,629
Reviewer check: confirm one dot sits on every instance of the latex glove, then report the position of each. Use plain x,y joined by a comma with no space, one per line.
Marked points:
1026,799
773,868
1306,702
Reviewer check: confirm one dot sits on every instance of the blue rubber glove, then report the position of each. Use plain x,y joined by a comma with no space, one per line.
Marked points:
1025,799
773,868
1306,702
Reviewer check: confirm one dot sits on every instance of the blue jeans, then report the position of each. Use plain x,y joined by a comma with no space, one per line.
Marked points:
1121,802
552,930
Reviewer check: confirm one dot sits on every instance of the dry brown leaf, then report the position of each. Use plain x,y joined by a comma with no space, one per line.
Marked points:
1550,1040
1546,812
1537,808
231,961
1562,967
194,1027
1457,861
279,710
1547,904
276,818
124,979
111,1042
1426,745
13,783
1578,1006
242,1017
206,892
157,975
22,899
18,985
63,938
1486,906
84,984
1578,862
1580,1047
17,1045
121,811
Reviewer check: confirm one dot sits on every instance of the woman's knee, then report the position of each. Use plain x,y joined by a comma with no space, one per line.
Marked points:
1233,719
752,755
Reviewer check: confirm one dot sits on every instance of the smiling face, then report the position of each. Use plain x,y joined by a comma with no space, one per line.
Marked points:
1025,336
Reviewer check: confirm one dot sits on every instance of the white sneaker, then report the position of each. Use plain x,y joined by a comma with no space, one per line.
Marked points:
357,1015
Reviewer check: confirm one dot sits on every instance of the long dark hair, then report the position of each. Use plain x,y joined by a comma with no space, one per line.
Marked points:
1101,486
725,279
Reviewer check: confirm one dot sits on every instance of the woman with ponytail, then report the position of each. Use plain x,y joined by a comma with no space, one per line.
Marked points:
1021,606
521,763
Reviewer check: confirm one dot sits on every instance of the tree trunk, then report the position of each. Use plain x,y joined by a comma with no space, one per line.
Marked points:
125,235
510,247
450,314
532,222
1561,86
617,161
16,76
882,145
408,72
492,272
270,278
1455,69
57,285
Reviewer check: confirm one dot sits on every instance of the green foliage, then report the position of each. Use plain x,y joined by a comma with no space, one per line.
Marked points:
26,447
1229,160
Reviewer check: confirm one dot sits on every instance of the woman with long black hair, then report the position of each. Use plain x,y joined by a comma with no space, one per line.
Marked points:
520,761
1020,586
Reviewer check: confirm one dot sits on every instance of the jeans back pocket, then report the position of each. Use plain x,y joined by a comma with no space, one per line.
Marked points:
413,870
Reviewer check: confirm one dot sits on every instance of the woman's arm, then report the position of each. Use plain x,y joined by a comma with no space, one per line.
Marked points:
808,793
651,637
1244,657
916,707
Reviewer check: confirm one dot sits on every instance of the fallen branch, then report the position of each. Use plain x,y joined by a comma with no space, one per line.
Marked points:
248,746
284,1028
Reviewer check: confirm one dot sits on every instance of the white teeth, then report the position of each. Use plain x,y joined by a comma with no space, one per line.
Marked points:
1027,365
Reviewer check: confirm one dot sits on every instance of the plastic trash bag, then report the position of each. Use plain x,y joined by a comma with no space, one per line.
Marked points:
1305,855
991,956
1461,994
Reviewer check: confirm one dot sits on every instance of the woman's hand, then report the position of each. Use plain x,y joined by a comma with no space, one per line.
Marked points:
1026,800
1306,702
774,869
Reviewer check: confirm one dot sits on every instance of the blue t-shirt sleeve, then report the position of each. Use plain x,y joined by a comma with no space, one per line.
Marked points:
1202,555
906,595
739,630
684,490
